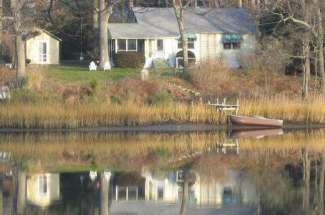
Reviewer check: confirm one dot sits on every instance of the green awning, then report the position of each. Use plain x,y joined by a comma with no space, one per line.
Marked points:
190,36
231,38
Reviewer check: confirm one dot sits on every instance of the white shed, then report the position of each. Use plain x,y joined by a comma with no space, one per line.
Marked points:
43,47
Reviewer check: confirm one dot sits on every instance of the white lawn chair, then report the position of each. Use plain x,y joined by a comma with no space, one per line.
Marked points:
92,66
4,93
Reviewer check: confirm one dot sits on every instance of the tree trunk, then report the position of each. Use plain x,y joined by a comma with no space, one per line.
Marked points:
95,15
21,195
184,194
104,193
8,206
1,202
179,12
321,185
104,14
306,51
306,179
21,57
1,30
321,46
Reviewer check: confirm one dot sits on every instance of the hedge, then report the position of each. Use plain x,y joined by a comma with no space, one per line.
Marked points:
129,59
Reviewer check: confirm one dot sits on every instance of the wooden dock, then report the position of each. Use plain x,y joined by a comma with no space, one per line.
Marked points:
224,107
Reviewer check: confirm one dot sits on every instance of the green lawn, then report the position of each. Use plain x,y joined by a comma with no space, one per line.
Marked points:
79,74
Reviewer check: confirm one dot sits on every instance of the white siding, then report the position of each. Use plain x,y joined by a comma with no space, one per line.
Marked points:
33,49
207,47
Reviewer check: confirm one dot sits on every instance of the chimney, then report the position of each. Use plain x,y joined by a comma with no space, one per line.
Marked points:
131,3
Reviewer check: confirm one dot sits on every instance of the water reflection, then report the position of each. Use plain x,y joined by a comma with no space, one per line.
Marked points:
161,192
258,134
180,191
201,173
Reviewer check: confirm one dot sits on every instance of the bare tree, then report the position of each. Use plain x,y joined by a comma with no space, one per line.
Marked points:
20,22
320,42
20,44
179,8
105,10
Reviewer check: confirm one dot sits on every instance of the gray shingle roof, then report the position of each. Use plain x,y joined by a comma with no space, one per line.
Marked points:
161,22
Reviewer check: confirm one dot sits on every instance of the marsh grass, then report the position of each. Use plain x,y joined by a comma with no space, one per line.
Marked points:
294,110
48,116
51,115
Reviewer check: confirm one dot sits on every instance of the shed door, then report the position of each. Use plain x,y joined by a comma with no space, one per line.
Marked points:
43,52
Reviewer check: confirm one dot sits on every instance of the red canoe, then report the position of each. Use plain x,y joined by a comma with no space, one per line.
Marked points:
256,121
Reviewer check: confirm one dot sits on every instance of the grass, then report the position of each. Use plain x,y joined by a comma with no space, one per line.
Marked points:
78,98
51,115
54,115
79,74
290,109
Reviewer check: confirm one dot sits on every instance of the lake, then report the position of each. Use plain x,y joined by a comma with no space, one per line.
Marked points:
236,173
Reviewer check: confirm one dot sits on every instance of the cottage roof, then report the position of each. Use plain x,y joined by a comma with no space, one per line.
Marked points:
37,31
161,22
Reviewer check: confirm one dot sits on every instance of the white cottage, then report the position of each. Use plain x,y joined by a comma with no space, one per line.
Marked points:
42,47
43,190
226,33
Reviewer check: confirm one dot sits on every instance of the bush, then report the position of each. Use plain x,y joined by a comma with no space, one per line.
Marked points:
213,79
134,89
129,60
160,98
6,75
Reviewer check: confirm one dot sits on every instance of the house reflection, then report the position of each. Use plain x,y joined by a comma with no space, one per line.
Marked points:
76,193
43,190
166,187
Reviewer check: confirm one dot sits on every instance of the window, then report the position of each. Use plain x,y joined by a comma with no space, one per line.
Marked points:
190,43
127,45
226,45
160,193
236,45
160,45
231,41
43,52
132,45
121,45
180,62
42,185
231,45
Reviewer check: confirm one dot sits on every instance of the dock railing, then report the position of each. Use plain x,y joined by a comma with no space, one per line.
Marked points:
222,107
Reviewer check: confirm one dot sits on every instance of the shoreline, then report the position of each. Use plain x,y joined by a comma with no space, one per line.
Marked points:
160,128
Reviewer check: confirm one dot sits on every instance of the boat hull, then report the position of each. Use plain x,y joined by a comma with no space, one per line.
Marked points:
255,121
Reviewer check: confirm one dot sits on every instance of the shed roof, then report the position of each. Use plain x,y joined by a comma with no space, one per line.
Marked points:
37,31
161,22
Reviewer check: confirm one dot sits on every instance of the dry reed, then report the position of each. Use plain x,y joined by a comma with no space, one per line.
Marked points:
49,115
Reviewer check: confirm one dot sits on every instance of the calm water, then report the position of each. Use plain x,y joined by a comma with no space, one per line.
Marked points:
255,172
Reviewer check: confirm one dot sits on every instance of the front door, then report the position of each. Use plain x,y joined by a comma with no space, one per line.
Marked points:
43,52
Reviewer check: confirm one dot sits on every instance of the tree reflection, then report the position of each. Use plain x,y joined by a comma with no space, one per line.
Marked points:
105,178
185,191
